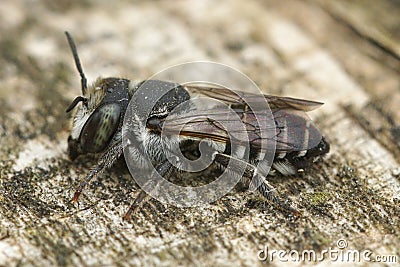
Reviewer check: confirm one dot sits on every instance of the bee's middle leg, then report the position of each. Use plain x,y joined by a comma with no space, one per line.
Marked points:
162,169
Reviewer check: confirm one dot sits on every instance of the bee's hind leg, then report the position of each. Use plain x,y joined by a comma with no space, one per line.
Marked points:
255,179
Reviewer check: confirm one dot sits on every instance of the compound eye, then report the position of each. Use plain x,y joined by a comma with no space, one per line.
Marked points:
99,128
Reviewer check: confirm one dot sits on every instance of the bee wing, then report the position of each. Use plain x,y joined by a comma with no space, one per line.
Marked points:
289,129
239,98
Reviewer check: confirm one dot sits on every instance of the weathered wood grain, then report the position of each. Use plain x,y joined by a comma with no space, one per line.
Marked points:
343,53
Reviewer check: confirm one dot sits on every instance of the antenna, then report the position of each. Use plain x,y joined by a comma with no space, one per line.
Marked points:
77,62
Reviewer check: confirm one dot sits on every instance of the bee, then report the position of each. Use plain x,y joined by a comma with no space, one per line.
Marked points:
98,126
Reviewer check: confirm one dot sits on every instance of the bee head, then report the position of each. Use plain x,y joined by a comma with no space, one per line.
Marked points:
98,112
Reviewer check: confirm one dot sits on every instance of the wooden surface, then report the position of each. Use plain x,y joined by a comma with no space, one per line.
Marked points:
343,53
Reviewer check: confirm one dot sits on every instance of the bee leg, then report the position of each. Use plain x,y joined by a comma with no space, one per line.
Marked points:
255,179
140,199
106,161
152,185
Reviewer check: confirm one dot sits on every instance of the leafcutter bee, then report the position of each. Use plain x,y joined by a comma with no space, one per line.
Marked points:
98,126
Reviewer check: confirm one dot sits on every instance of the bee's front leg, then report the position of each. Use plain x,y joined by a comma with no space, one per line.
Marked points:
106,161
